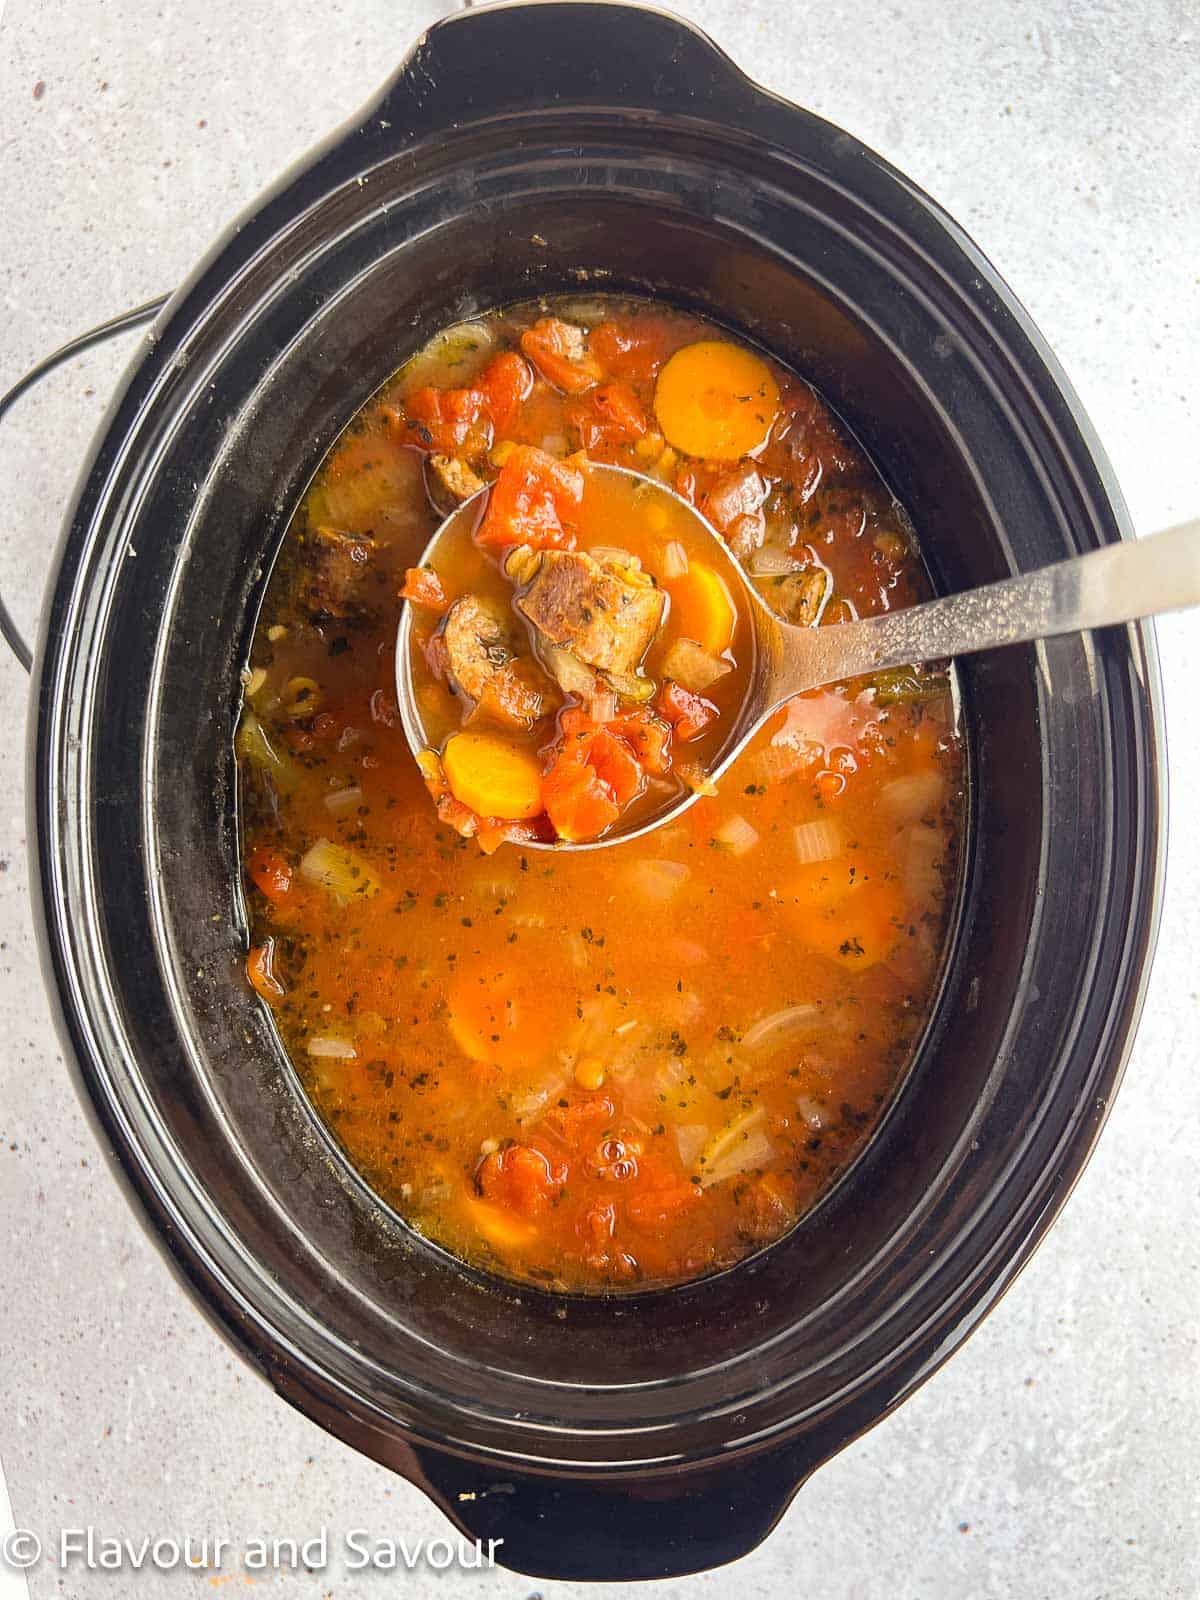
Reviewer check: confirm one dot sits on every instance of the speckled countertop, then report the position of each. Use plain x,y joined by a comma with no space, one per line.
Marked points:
1056,1455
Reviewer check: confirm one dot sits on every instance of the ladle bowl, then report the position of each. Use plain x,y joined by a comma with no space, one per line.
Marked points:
1104,587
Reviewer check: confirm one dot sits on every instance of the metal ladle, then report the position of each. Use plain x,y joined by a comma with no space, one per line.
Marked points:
1116,584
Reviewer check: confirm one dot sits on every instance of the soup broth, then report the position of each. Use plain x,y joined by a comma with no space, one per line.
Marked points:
628,1067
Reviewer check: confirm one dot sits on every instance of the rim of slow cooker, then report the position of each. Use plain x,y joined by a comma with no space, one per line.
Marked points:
183,323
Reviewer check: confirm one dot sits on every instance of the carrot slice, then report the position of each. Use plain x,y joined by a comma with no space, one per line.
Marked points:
702,608
717,400
492,777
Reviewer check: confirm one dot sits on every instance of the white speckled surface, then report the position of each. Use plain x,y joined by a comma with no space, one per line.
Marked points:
1056,1455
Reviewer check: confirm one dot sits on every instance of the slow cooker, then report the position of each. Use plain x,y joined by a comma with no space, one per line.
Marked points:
521,149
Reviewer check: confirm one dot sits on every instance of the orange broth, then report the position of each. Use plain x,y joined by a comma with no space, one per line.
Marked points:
620,1068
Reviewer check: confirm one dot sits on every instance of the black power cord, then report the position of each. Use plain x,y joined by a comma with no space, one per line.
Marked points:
73,347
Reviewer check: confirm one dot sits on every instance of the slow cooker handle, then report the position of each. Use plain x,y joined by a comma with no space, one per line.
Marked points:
619,1530
100,334
556,54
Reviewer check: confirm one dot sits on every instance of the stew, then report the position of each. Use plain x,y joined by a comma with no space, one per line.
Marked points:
623,1068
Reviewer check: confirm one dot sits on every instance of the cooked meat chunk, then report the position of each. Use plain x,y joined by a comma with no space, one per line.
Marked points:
343,569
603,615
800,596
478,643
452,480
482,663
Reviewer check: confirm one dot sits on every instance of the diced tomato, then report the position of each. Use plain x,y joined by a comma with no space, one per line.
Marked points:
521,1178
559,350
635,349
424,588
270,872
580,806
580,1124
495,831
688,713
505,382
260,970
650,738
532,502
596,1226
456,815
657,1205
594,774
447,420
609,415
615,764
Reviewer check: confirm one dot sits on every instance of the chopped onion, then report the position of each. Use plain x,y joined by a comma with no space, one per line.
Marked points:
755,1150
343,800
253,679
254,746
817,841
692,666
658,880
909,799
740,493
631,685
771,562
529,1102
923,873
612,555
338,871
778,1026
602,706
466,347
739,1145
675,560
327,1044
736,835
586,311
522,564
690,1139
697,780
569,672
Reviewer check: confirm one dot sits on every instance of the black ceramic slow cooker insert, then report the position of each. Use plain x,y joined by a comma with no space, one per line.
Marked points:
523,149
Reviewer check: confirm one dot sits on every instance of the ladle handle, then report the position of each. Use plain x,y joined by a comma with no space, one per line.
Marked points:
1118,584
